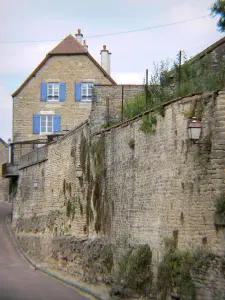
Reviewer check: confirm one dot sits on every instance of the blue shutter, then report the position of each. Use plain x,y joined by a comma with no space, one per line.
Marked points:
56,123
36,123
43,91
77,91
62,91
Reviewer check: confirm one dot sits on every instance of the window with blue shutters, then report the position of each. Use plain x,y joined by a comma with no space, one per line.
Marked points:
36,123
83,91
56,123
53,91
46,123
43,91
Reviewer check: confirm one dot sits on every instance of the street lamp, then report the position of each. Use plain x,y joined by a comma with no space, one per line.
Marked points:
194,130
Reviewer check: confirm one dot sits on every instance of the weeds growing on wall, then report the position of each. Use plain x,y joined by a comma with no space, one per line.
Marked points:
220,206
168,81
71,208
135,270
177,268
174,275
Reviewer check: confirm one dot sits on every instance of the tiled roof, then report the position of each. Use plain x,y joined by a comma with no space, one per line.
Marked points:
68,46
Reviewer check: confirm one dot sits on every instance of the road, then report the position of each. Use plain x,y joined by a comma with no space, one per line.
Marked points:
19,281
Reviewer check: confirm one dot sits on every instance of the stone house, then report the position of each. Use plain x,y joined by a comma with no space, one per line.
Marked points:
57,94
4,186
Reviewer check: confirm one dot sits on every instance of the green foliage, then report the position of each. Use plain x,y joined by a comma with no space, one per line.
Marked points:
218,9
149,122
169,81
174,273
135,106
220,206
135,269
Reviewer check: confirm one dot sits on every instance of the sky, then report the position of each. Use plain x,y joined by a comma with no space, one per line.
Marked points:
29,29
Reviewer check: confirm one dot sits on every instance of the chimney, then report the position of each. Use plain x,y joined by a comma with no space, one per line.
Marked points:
79,36
85,45
105,59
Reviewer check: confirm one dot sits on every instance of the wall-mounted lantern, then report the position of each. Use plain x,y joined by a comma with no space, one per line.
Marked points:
194,130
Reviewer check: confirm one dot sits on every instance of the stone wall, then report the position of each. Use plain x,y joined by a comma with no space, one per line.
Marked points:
216,56
129,187
108,103
4,182
63,68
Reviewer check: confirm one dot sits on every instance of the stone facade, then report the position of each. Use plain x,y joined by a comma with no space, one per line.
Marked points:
128,187
58,68
109,102
4,182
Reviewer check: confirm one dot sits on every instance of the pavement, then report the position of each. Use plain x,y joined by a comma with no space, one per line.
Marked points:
20,281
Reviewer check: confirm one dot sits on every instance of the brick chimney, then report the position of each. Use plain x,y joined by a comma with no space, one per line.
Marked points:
79,36
105,59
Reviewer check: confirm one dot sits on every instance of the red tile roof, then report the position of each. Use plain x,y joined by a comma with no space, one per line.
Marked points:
68,46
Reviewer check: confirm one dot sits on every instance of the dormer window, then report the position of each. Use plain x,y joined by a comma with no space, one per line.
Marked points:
52,91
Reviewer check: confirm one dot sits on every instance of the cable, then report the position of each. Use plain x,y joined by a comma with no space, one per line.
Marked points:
110,34
147,28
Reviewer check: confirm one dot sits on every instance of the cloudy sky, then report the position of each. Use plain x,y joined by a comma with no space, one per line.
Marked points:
30,28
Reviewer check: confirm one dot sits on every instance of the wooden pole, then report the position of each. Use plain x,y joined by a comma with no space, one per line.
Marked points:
179,74
146,89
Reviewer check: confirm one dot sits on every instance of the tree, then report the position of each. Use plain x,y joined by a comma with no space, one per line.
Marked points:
218,9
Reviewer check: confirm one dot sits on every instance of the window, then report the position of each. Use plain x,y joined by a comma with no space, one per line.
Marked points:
86,91
53,91
46,124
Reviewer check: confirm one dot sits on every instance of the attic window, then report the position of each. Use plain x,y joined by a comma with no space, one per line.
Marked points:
53,91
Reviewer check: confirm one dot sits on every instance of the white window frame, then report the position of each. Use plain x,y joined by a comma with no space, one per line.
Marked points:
86,96
54,95
46,116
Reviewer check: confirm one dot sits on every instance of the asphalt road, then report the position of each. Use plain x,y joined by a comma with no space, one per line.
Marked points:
19,281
